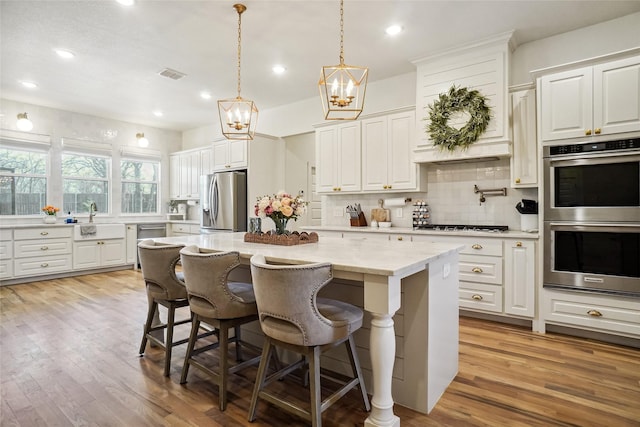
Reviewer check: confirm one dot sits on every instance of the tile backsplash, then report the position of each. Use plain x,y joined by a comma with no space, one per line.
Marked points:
450,195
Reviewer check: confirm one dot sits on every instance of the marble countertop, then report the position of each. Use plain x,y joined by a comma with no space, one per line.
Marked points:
61,223
349,255
511,234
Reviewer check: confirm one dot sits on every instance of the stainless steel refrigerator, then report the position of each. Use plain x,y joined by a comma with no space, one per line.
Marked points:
224,202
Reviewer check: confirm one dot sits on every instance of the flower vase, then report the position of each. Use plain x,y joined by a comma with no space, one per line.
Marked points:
281,225
50,219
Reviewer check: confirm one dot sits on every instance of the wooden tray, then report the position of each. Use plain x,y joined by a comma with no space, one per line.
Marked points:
294,238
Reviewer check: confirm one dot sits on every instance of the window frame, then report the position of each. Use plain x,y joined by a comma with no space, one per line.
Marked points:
141,159
39,148
108,179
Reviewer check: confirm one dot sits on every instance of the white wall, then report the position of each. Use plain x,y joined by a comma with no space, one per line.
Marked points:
59,124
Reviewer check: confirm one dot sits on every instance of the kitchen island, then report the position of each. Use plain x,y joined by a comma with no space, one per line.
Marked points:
418,279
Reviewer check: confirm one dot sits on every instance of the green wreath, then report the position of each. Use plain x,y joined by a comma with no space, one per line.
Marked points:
461,99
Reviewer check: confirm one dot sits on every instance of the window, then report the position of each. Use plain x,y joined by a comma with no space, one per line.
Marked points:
85,179
139,186
23,181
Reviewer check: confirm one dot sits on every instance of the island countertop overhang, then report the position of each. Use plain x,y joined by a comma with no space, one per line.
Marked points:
349,255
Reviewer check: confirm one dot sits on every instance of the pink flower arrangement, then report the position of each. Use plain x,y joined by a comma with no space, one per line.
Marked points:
281,207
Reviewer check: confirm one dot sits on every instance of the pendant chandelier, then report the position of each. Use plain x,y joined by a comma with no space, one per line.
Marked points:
238,116
342,87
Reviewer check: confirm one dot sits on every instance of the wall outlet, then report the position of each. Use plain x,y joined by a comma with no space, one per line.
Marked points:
338,212
399,213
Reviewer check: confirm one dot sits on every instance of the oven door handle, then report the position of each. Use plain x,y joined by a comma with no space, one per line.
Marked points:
593,227
599,159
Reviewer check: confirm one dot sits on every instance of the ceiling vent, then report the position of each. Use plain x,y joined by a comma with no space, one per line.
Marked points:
172,74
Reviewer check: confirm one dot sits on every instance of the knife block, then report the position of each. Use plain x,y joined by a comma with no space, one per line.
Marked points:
361,221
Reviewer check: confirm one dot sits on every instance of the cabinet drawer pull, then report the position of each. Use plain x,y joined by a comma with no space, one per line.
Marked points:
44,264
44,248
476,297
476,270
44,233
476,246
399,237
519,244
517,180
594,313
598,131
587,132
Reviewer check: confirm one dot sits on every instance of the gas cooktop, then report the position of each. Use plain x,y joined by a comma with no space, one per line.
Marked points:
454,227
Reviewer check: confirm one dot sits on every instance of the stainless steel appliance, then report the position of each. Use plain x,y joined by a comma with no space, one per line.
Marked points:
593,181
224,202
150,231
592,217
592,257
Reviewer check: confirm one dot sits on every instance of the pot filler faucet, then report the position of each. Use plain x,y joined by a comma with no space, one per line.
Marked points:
92,211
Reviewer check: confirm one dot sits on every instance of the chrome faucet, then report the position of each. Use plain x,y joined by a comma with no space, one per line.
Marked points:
92,211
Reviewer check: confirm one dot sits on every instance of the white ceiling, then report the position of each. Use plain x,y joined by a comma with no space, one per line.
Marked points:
120,50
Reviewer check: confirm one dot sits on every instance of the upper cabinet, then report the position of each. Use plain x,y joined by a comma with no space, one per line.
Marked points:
229,154
601,99
185,168
524,161
338,158
387,160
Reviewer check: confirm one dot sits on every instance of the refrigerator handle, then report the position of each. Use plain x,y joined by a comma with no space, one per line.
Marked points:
214,199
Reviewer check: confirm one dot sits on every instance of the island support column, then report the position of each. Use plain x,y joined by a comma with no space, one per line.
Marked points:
382,300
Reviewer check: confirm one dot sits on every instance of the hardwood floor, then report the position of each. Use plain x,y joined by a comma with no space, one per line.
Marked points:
69,357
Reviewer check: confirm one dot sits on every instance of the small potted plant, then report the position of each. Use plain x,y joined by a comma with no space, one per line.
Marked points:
50,214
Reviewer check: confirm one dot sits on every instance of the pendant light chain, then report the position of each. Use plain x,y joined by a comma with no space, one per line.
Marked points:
341,32
240,10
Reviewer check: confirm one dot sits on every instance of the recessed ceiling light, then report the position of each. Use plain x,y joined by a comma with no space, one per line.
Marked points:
157,113
126,2
27,84
66,54
205,95
393,30
279,69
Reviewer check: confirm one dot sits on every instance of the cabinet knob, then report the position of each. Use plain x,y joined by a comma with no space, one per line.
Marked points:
476,270
477,297
587,132
519,244
227,166
598,131
389,187
385,186
44,248
399,237
517,180
44,233
476,246
594,313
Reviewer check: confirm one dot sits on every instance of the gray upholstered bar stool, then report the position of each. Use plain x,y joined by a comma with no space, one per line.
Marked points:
164,287
293,317
221,304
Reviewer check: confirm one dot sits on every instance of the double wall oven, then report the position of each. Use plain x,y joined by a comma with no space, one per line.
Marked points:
592,217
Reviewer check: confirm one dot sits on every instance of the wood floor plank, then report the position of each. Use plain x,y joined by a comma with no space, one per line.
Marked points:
69,357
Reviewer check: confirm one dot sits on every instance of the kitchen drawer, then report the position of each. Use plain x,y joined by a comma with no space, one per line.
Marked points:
6,269
479,296
6,234
492,247
6,250
599,312
484,269
43,233
38,248
185,229
42,265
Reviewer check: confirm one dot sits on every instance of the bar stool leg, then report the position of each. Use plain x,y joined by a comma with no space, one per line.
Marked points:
314,387
168,345
224,364
153,307
357,371
267,349
193,337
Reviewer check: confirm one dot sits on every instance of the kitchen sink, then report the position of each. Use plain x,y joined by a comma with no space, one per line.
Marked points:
102,231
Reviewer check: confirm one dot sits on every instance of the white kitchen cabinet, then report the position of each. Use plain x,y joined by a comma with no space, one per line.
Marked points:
6,254
179,229
131,234
524,161
596,312
520,275
338,157
596,100
229,154
42,250
185,168
99,253
387,157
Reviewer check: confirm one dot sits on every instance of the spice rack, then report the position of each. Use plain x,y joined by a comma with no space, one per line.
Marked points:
421,215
